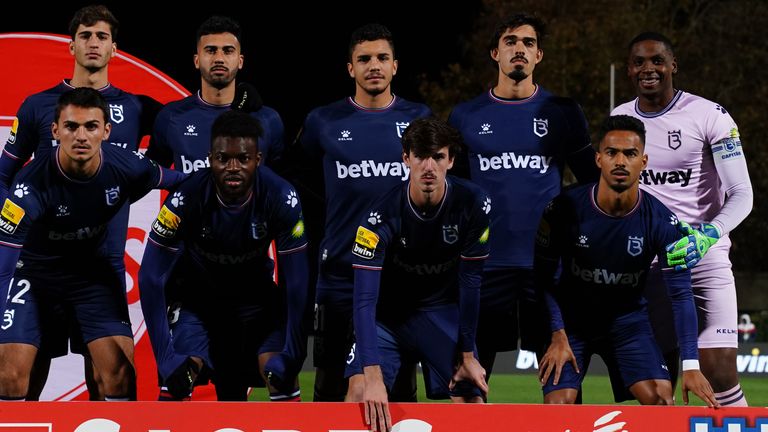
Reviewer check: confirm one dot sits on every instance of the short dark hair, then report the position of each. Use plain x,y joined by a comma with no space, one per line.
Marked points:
83,97
368,33
620,123
238,124
516,21
90,15
426,135
652,36
218,24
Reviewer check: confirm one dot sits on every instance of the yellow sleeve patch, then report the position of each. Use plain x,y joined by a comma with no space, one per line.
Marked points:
10,216
167,223
365,243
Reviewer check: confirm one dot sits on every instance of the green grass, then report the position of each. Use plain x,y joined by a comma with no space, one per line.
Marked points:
523,388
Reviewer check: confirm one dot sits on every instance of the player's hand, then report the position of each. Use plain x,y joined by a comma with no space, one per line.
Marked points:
470,370
281,372
376,401
689,250
558,354
182,380
695,381
247,99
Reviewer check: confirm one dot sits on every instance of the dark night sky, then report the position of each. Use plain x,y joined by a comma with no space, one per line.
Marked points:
296,60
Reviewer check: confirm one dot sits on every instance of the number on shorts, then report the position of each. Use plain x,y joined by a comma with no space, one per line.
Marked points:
25,285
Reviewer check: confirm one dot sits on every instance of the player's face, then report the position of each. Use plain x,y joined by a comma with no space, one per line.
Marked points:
373,66
428,172
621,159
80,132
518,52
233,162
650,68
93,47
218,58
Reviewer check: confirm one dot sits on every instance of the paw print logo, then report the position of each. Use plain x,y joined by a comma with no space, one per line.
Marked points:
62,210
487,205
374,218
177,200
292,199
21,190
673,220
138,154
485,127
721,109
345,134
190,128
583,239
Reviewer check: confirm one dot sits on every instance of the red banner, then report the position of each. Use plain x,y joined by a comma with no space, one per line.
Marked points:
340,417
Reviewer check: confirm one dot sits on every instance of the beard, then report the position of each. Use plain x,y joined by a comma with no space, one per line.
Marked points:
518,74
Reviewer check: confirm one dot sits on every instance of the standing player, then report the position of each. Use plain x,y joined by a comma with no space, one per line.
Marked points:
604,237
424,243
53,226
357,140
93,30
698,169
518,134
218,226
183,128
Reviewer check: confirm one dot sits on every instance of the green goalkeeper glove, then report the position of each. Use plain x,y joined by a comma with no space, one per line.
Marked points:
689,250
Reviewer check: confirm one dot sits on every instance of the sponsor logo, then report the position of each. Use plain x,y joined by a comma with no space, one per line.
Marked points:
721,109
425,269
673,220
450,233
485,129
605,277
177,199
634,245
10,216
121,145
604,423
369,168
79,234
112,195
191,165
227,259
583,241
484,236
167,223
400,127
365,243
374,218
21,190
116,113
651,177
674,139
730,424
510,160
292,199
62,211
345,135
298,229
487,205
540,126
190,130
752,363
14,128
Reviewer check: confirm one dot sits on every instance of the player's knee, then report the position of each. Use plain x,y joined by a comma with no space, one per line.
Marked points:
13,382
119,380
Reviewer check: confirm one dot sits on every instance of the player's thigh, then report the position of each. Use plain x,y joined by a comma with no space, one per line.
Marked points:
101,309
497,326
715,296
652,392
569,378
190,333
333,336
391,356
17,360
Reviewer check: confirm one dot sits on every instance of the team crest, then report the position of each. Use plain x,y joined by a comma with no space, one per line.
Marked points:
450,233
258,230
116,113
540,126
401,126
634,245
113,195
674,139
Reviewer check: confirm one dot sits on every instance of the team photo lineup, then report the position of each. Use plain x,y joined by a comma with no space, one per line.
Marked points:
400,241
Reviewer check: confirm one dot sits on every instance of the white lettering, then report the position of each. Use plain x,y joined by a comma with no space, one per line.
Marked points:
603,276
189,166
510,160
369,168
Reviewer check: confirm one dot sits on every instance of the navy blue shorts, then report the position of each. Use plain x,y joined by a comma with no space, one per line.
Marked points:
333,334
628,349
429,337
47,304
509,311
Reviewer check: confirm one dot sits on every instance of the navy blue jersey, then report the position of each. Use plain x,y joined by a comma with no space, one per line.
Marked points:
420,255
182,134
361,157
604,259
516,151
129,116
54,216
227,246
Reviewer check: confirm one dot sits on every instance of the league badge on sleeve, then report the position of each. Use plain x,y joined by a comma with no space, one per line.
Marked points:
365,243
166,224
10,216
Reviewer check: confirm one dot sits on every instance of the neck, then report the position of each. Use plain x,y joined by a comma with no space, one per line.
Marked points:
424,201
82,77
656,102
508,88
616,203
215,96
368,100
78,169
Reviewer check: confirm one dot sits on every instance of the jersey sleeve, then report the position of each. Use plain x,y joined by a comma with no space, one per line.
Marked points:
150,108
546,259
291,235
168,227
476,246
372,237
158,149
146,175
274,135
580,155
24,137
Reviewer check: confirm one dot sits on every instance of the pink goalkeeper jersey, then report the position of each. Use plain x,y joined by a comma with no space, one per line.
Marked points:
679,142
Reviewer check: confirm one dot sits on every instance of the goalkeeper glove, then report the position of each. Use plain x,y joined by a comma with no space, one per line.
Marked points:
689,250
247,99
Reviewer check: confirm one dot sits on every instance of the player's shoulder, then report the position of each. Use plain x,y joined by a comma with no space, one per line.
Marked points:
574,196
270,180
36,171
653,204
180,105
341,107
266,114
466,187
417,109
45,98
627,108
477,102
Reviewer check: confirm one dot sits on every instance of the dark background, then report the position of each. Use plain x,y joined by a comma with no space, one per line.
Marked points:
296,59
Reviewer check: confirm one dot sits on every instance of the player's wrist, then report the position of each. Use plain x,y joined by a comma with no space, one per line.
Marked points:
690,365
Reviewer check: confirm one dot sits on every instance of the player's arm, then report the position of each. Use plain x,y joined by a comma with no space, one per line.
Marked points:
21,143
158,149
580,155
147,175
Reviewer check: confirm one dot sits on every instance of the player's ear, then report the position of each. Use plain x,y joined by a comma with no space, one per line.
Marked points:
539,55
72,47
107,130
406,159
55,130
495,54
196,59
350,70
394,67
258,158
